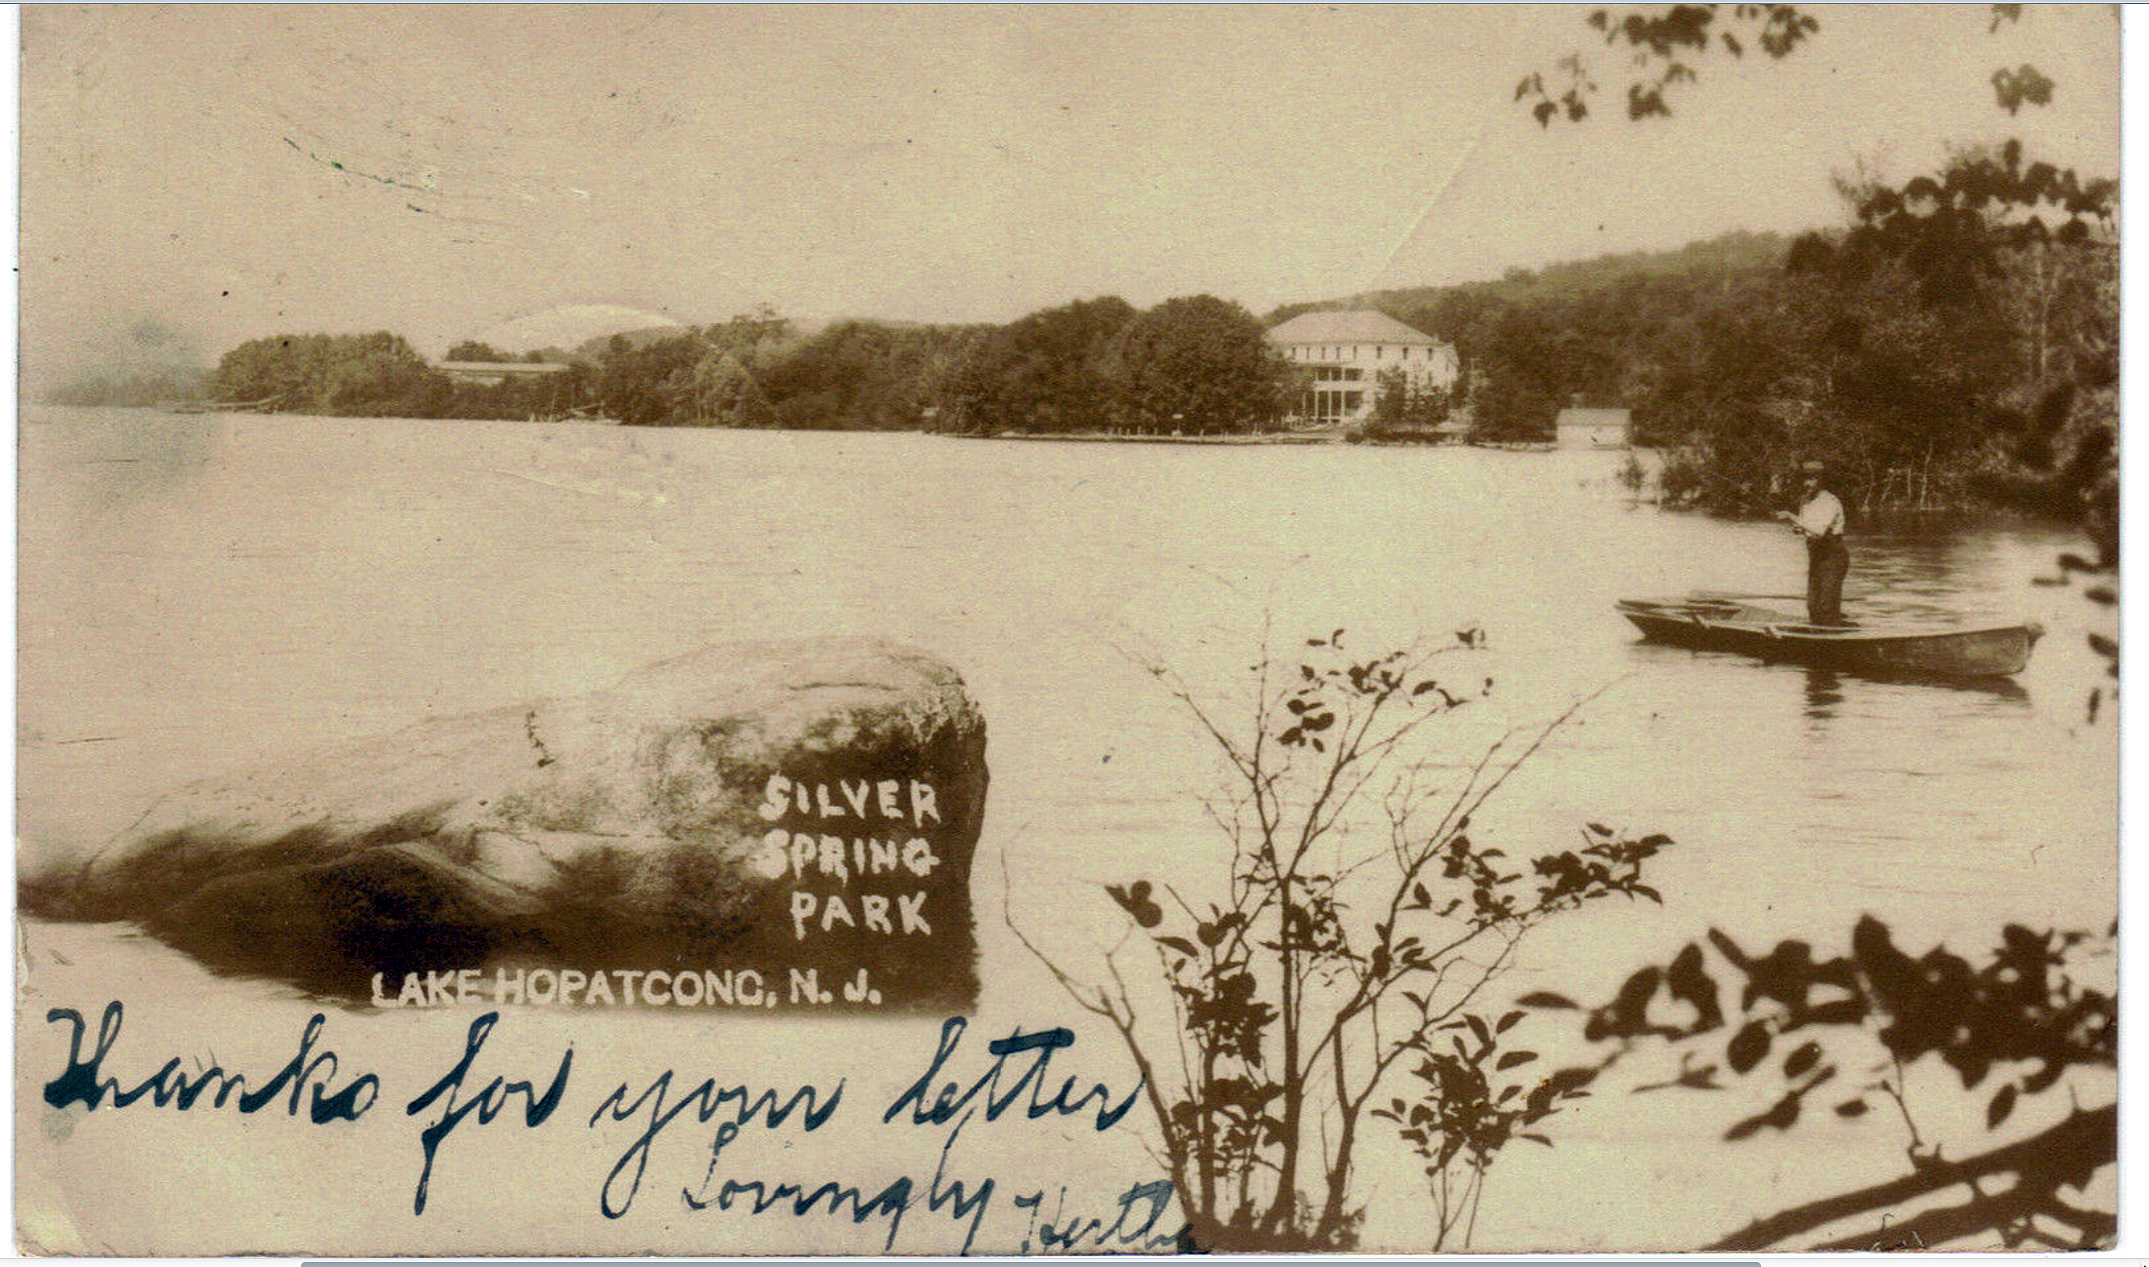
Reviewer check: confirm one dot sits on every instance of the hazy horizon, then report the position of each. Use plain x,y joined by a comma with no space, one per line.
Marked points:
232,173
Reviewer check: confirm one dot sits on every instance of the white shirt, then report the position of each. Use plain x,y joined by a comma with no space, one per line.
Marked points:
1821,517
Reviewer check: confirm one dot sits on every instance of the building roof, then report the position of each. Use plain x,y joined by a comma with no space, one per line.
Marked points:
1595,417
500,367
1360,326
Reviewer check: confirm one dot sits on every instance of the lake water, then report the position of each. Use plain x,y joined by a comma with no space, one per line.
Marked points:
204,593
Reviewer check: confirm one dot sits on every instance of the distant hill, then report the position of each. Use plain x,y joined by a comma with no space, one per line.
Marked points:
1732,254
576,326
138,385
117,360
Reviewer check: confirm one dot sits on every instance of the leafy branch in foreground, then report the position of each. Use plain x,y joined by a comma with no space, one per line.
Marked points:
1855,1028
1664,45
1355,926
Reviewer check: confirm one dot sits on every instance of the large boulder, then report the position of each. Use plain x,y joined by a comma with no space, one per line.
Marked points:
762,808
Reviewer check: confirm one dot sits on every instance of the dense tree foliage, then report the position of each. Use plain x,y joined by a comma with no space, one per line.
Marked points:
651,384
343,374
381,376
858,376
1051,371
1521,364
1403,406
1198,365
1956,340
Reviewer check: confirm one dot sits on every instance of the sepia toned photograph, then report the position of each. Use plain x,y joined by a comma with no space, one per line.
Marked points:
925,630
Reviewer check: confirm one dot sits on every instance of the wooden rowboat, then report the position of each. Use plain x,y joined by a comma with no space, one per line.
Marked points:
1724,622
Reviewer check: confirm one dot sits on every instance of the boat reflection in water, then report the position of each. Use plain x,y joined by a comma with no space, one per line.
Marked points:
1826,690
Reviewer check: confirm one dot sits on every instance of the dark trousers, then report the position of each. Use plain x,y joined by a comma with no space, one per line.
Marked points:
1827,560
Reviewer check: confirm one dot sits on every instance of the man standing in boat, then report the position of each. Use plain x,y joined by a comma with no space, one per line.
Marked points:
1820,521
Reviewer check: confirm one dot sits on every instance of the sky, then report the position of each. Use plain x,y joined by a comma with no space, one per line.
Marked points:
218,173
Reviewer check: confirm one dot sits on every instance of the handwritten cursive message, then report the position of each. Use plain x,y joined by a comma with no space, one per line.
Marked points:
1009,1078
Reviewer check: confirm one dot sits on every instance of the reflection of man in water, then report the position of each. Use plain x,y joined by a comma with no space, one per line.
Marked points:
1820,521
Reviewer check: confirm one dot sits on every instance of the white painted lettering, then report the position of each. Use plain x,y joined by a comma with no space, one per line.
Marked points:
832,858
911,906
876,913
918,856
775,854
775,798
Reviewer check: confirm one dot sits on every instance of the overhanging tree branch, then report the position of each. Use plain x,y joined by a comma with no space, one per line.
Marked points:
2076,1147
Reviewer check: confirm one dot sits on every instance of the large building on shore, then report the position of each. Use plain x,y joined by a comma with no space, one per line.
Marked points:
1347,351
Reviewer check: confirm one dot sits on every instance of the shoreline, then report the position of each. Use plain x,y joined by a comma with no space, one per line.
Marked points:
1108,437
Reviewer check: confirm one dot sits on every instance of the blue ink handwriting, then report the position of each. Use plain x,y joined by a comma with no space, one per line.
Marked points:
83,1081
487,1105
1067,1236
708,1101
953,1101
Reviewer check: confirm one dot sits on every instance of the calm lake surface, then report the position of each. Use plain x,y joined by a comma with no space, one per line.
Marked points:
204,593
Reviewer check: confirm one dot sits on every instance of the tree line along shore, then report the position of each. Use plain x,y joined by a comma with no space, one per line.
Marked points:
1934,359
